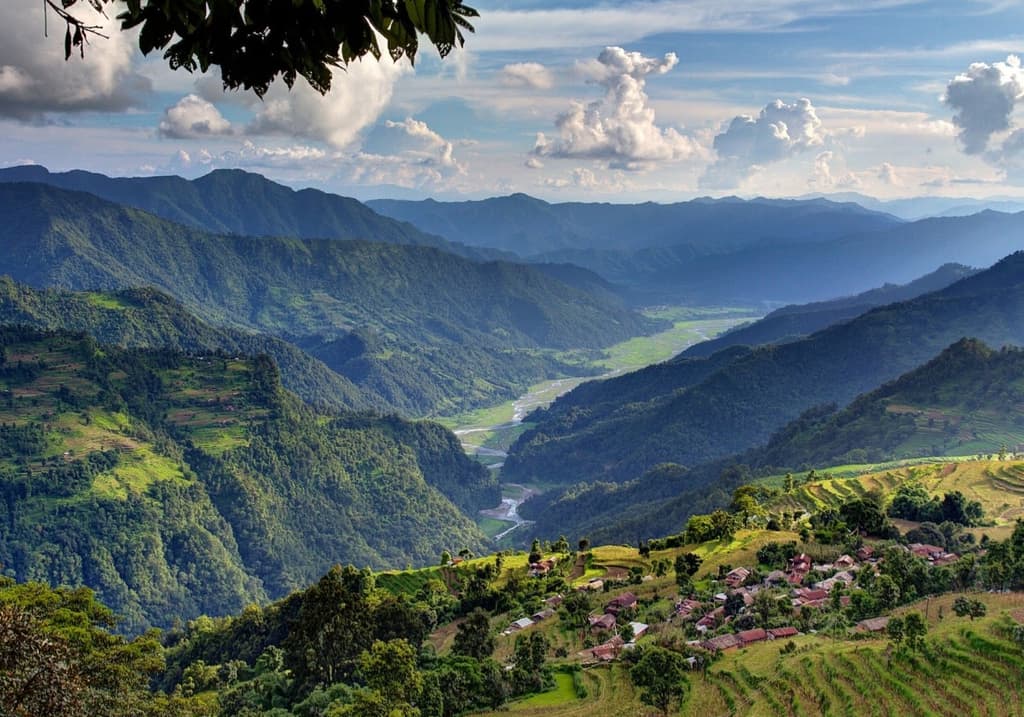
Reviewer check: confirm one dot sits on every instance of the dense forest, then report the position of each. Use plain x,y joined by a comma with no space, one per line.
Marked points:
422,330
183,484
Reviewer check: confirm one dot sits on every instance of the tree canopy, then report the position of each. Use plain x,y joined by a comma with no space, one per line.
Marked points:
255,41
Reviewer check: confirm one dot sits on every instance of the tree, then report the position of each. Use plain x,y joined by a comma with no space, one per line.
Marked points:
584,544
966,607
389,669
661,675
914,630
266,39
535,554
474,637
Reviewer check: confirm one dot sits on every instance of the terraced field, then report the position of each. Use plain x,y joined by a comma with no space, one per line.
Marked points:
968,668
997,485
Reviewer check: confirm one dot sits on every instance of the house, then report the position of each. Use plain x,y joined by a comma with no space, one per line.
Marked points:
874,624
706,623
608,651
593,584
775,577
625,601
520,624
544,614
722,642
844,562
777,633
687,607
639,629
542,568
865,553
809,594
553,601
749,637
604,622
928,552
800,563
736,577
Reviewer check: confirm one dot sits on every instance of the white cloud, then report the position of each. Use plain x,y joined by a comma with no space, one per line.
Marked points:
193,117
887,175
527,74
533,163
748,143
358,96
620,127
36,80
825,176
983,99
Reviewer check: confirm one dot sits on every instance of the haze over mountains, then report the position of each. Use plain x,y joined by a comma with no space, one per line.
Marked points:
728,250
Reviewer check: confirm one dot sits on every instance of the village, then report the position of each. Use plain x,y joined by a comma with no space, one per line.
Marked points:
743,606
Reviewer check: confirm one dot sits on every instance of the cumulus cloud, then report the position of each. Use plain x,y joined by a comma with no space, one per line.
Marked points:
357,98
748,143
193,117
533,163
887,175
527,74
35,80
826,177
983,99
620,127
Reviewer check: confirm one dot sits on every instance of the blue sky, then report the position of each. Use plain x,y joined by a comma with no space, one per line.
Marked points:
630,101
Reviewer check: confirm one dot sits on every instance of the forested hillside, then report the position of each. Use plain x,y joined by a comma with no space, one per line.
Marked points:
233,201
741,404
419,329
176,485
967,400
147,318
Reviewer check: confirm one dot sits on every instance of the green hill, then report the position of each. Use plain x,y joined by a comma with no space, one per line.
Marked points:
147,318
233,201
742,403
965,401
176,485
416,328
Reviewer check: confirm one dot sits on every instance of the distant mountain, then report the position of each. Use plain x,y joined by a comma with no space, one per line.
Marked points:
742,403
796,321
179,485
915,208
233,201
758,252
534,228
967,400
147,318
418,329
797,272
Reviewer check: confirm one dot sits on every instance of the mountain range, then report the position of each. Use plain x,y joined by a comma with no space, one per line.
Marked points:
416,328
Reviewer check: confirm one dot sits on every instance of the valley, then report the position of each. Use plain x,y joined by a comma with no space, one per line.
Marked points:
486,434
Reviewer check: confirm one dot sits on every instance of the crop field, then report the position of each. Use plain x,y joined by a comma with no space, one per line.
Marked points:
997,485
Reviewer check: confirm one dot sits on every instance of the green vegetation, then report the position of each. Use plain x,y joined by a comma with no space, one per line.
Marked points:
415,328
179,485
147,318
691,411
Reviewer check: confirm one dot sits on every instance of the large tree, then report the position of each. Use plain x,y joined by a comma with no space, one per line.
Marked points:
255,41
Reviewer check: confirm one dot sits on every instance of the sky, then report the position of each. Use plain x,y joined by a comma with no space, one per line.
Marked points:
641,100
